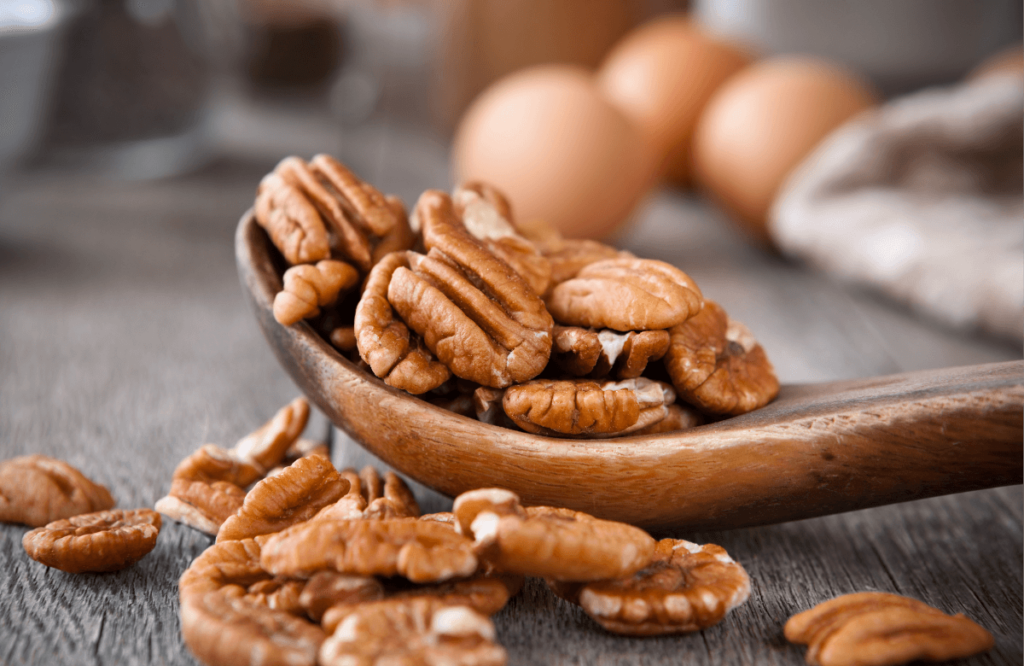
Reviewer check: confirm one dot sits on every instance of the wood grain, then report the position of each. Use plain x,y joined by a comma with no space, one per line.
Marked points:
817,449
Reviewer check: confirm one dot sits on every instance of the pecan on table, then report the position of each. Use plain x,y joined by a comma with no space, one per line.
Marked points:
474,312
585,352
102,541
486,215
686,587
293,496
880,629
393,352
626,295
717,365
309,287
36,490
549,542
586,408
422,551
418,632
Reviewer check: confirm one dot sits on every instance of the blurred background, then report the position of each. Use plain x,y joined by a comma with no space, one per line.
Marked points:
873,143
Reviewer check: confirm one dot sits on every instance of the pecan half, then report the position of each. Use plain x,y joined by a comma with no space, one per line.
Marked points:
582,407
266,447
552,543
101,541
480,207
354,215
717,365
474,313
373,498
393,353
417,632
36,490
293,496
569,256
680,417
626,295
585,352
686,587
292,222
308,287
883,630
421,551
222,629
330,588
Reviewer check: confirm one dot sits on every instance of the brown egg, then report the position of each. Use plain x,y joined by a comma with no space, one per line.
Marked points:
763,122
1008,61
559,150
661,75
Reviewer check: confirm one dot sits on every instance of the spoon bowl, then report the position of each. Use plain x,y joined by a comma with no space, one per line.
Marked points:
817,449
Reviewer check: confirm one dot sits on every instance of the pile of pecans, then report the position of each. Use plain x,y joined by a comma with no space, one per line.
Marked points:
312,565
510,324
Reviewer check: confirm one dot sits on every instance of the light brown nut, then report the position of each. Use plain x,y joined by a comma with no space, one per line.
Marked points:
230,566
687,587
393,353
544,236
102,541
680,417
36,490
225,630
401,236
308,287
717,365
560,544
474,313
266,447
586,352
295,495
417,632
626,295
568,257
277,593
397,500
586,408
354,213
304,447
480,207
344,338
292,222
484,594
443,517
883,629
421,551
330,588
351,505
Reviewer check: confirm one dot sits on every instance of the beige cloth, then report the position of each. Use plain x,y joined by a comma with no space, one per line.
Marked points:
922,199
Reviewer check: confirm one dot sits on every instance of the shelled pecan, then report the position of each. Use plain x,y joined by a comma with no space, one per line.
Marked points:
108,540
36,490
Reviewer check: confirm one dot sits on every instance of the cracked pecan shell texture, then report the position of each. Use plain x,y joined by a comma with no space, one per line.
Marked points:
586,408
36,490
686,587
102,541
416,632
474,312
717,365
626,295
422,551
293,496
385,343
881,629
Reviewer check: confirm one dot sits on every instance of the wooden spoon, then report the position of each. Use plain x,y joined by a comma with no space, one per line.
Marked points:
817,449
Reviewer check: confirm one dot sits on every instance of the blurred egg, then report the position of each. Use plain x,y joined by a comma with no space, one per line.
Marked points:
1007,62
661,75
763,122
558,149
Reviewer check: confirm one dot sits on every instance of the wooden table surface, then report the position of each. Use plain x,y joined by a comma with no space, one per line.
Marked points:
125,343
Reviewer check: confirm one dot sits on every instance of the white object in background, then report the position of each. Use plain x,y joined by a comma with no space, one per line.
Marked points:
921,199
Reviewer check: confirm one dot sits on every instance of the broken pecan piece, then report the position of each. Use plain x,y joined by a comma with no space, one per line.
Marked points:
480,207
626,295
474,312
548,542
417,632
309,287
393,353
421,551
686,587
36,490
583,407
266,447
717,365
585,352
102,541
883,630
330,588
295,495
373,498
